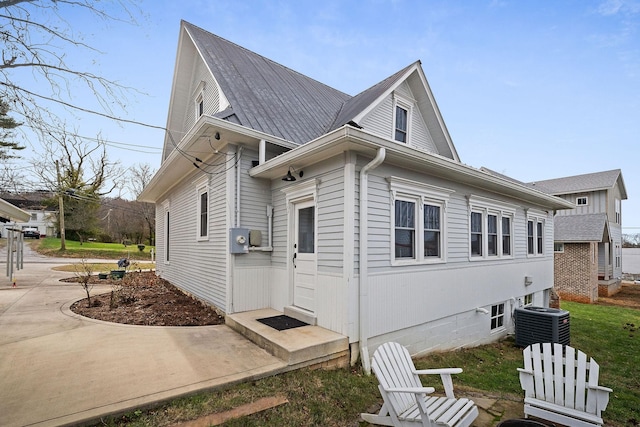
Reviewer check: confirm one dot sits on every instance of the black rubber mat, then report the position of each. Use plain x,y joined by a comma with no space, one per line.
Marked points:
282,322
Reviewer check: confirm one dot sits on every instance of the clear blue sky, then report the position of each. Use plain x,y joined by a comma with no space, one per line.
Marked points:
530,88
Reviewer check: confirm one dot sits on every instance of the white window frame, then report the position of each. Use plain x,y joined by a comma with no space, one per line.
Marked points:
618,209
489,207
538,219
558,247
167,230
582,201
420,194
499,316
405,104
528,300
202,187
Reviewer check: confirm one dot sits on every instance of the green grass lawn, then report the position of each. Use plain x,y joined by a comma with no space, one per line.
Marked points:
50,246
336,398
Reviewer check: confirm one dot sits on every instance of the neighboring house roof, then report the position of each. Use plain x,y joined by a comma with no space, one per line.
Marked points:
12,213
265,95
34,200
581,228
582,183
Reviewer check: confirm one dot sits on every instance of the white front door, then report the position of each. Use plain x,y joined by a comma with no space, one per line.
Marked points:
304,256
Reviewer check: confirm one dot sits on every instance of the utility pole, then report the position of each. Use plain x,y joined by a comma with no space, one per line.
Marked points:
63,245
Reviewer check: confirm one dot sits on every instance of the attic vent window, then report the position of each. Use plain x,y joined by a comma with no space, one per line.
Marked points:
401,124
199,106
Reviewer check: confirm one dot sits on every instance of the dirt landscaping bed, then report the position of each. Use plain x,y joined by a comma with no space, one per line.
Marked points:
629,296
142,298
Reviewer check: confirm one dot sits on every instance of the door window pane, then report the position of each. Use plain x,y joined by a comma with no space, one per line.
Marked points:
306,230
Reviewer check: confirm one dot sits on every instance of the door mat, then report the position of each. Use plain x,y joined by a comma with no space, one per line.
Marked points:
282,322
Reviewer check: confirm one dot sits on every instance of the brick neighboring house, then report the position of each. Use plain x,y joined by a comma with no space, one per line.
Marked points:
588,238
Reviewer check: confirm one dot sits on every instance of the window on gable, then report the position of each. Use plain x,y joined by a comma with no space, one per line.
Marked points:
203,213
497,316
34,216
199,106
618,211
582,201
402,116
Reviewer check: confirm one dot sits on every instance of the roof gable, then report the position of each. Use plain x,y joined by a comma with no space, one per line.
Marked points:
257,93
582,183
581,228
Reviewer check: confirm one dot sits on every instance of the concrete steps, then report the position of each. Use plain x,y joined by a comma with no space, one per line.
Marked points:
298,347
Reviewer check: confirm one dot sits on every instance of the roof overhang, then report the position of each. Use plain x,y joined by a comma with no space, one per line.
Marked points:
348,138
12,212
200,142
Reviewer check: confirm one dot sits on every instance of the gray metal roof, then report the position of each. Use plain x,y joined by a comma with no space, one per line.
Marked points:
581,228
581,183
267,96
365,98
274,99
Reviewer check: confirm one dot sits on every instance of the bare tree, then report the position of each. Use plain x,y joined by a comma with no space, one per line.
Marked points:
140,176
82,173
83,271
36,37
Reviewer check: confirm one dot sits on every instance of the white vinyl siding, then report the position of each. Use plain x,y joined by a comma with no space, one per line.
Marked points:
207,272
380,121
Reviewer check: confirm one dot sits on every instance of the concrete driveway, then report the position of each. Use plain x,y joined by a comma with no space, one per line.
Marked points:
57,368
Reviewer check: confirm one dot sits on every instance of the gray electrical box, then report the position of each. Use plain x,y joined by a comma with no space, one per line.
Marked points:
239,240
255,238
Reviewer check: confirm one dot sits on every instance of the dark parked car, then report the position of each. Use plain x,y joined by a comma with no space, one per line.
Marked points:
31,233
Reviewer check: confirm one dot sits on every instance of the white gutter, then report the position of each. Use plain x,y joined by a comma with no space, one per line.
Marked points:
364,257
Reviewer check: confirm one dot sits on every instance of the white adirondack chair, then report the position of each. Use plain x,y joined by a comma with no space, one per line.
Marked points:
406,400
561,386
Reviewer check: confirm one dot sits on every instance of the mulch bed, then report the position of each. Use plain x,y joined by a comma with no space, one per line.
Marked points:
142,298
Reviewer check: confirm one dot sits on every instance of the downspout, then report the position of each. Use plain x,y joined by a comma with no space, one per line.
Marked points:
238,169
364,257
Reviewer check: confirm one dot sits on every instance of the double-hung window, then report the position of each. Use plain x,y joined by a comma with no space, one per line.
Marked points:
418,222
476,234
490,228
535,234
202,220
405,229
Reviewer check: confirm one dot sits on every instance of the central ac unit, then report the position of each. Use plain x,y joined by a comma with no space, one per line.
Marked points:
541,324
